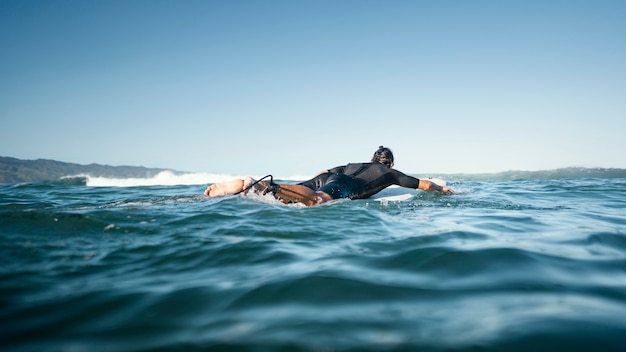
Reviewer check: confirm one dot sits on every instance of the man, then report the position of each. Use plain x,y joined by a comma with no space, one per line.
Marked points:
354,181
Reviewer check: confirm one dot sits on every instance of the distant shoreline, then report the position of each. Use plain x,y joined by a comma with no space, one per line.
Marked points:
13,170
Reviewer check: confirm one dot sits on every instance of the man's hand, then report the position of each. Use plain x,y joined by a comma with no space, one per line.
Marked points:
447,189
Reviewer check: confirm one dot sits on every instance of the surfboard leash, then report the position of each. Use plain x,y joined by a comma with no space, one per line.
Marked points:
272,187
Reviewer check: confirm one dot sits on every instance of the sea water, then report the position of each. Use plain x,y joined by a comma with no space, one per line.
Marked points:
502,265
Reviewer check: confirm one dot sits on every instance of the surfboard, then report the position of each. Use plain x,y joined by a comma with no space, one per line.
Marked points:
399,194
394,194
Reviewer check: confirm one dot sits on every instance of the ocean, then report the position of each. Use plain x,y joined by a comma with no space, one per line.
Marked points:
511,262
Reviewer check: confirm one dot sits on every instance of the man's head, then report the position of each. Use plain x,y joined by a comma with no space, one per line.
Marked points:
383,156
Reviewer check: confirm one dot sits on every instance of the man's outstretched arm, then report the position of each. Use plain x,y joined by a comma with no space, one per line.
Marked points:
430,186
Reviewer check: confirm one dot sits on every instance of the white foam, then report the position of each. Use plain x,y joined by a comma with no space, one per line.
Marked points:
165,178
169,178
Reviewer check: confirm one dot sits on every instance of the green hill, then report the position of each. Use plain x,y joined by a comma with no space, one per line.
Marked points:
14,170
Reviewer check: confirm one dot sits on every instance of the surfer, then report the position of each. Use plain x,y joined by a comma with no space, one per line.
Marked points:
354,181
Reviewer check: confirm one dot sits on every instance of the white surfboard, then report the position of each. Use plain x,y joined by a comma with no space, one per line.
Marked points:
394,194
399,194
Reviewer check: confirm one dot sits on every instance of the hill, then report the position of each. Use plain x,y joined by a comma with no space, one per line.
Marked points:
14,170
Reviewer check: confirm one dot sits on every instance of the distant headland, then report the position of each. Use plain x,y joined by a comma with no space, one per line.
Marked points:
14,170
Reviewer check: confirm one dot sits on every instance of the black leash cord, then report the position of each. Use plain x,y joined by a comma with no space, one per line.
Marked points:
271,187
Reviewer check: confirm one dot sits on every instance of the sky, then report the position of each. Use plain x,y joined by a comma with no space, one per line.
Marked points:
296,87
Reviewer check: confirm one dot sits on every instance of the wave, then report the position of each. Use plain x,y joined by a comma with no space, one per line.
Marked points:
171,178
164,178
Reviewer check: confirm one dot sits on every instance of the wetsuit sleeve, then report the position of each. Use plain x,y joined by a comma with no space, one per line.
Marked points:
376,177
405,180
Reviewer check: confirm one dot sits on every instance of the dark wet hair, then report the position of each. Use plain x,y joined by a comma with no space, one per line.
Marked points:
383,156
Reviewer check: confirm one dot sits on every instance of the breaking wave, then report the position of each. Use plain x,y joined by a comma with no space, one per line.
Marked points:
164,178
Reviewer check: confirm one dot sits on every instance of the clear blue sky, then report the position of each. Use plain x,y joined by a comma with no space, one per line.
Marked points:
294,87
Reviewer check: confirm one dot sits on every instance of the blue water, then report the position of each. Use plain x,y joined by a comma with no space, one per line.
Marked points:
503,265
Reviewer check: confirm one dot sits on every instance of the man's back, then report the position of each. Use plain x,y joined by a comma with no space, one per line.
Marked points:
374,177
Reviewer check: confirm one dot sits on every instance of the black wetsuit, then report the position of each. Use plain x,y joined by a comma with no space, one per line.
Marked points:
360,180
